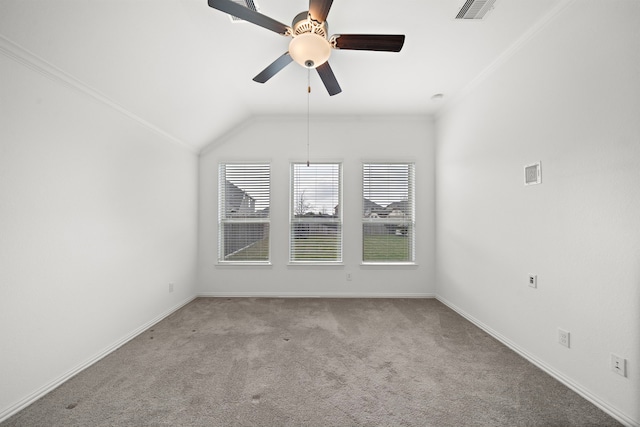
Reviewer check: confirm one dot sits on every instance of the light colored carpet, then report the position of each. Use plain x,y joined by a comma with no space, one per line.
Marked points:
312,362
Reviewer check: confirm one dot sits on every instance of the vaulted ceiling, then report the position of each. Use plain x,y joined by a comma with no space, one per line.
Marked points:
186,69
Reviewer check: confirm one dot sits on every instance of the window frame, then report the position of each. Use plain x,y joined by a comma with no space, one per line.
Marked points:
338,219
223,219
410,222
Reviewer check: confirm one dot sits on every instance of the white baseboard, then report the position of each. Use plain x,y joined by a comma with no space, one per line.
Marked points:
614,412
28,400
311,295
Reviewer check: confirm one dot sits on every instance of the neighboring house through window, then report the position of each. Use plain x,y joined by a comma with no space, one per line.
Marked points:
388,212
315,215
244,212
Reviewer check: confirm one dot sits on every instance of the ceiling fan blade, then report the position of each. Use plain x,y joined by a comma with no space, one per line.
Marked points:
329,79
249,15
272,69
319,9
377,42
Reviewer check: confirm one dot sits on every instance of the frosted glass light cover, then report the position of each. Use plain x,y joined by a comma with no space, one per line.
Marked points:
309,50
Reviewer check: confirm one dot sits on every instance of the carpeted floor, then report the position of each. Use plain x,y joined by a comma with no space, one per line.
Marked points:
312,362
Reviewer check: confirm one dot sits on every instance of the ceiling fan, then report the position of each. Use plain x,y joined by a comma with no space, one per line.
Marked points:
310,45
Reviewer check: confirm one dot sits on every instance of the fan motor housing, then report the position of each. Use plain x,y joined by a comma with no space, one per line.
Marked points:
303,23
309,46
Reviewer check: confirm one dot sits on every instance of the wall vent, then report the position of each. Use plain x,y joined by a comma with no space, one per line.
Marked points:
532,174
245,3
475,9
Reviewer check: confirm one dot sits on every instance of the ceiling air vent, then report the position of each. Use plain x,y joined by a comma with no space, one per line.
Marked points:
245,3
475,9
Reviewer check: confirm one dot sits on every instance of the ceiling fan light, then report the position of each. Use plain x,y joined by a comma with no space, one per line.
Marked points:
309,50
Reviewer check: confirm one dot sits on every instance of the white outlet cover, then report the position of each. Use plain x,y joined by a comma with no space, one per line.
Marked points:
564,338
533,173
533,280
618,365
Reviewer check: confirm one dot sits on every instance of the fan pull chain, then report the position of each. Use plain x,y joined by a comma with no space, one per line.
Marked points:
308,97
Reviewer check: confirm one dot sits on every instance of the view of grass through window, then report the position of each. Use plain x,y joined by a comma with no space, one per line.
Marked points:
394,248
258,250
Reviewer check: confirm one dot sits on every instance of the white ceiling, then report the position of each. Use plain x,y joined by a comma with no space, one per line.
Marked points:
185,69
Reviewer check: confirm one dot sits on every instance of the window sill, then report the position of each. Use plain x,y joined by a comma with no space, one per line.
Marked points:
244,264
388,264
315,263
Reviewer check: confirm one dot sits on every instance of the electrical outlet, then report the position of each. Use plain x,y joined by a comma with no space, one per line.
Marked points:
532,174
349,277
533,281
170,287
563,337
618,365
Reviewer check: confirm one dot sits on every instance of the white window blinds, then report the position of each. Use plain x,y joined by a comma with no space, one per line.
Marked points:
243,212
388,212
316,217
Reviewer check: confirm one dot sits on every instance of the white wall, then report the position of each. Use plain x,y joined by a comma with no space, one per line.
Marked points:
97,215
350,140
571,99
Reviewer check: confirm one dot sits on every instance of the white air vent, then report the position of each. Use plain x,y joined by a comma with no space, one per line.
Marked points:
532,174
245,3
475,9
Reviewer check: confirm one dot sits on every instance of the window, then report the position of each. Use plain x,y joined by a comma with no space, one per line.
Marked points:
388,211
243,213
316,218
